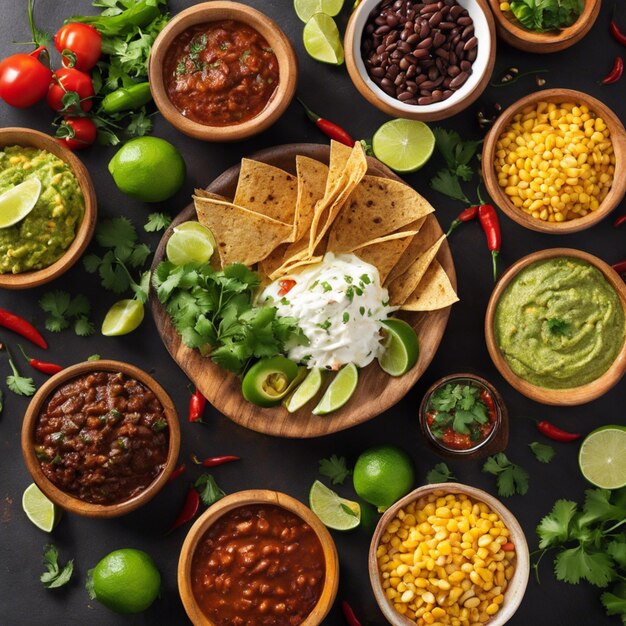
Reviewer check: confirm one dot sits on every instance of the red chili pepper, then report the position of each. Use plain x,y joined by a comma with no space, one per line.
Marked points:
557,434
620,267
176,473
330,129
286,285
214,461
618,34
616,72
41,366
189,510
619,221
467,215
349,614
491,225
197,402
20,326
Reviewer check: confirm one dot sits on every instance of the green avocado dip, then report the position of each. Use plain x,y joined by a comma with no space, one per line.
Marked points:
559,324
47,231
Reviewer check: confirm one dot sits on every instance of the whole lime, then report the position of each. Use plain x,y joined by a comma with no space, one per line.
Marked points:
125,581
148,168
382,475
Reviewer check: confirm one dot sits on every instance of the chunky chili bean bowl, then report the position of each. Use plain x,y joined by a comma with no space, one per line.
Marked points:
222,71
421,59
258,557
101,438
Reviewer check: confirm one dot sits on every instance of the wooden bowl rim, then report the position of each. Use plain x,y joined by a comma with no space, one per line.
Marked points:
207,12
515,592
618,138
67,501
27,138
249,497
559,397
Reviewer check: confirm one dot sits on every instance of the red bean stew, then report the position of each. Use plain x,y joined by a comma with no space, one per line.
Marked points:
102,438
221,73
258,565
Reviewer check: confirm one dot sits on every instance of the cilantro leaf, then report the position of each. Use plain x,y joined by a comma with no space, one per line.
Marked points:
65,311
447,183
208,489
578,563
510,478
614,604
83,326
157,222
117,234
554,527
55,302
94,357
335,468
441,473
54,576
616,549
19,385
543,452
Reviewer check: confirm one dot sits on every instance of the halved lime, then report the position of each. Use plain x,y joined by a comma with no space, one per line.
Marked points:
602,457
39,510
306,9
16,203
322,41
305,391
335,512
401,348
403,145
122,318
191,242
339,391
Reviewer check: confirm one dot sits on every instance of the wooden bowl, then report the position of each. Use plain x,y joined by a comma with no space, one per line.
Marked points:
212,12
67,501
511,31
243,498
460,100
517,586
558,397
28,138
618,137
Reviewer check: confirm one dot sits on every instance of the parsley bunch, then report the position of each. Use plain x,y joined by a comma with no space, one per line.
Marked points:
65,311
458,407
510,478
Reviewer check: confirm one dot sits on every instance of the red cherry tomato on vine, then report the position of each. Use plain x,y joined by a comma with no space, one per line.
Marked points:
69,80
24,79
79,44
77,132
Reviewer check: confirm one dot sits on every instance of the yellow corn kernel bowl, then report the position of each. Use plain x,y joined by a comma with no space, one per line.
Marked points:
448,555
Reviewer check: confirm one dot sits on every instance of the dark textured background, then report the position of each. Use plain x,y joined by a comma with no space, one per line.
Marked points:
291,466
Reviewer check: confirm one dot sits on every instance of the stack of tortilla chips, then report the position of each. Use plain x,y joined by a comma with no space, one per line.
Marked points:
285,223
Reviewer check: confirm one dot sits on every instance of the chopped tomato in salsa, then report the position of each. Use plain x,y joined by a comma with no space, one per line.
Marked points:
286,285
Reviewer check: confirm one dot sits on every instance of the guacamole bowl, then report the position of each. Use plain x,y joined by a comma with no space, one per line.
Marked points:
555,326
27,138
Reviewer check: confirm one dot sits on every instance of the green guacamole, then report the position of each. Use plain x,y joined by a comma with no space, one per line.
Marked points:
47,231
559,324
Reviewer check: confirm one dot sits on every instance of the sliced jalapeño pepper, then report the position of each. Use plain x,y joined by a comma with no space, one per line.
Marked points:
267,382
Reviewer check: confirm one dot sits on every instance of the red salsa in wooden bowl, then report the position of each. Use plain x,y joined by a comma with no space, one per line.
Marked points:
258,565
102,438
220,73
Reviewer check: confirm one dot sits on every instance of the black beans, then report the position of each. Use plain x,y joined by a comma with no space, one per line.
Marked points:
419,51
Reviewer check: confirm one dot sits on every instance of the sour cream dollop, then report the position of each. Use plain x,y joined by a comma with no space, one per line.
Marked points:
339,304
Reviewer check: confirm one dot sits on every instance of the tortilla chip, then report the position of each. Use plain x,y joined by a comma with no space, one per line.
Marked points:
434,291
425,239
273,260
242,236
203,193
383,252
312,177
302,264
339,155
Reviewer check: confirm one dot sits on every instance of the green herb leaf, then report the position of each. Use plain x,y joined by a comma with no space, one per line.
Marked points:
335,468
441,473
614,604
65,311
557,326
20,385
208,489
510,478
543,452
578,563
94,357
554,527
157,222
55,576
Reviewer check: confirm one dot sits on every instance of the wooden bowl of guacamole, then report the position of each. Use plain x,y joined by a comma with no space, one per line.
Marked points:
48,240
555,326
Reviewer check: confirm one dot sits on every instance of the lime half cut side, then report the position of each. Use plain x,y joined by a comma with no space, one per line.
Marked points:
17,202
322,41
403,145
306,9
602,457
334,512
191,242
305,391
39,510
122,318
339,391
401,348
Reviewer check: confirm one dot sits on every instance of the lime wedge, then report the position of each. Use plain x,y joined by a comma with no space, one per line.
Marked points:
18,202
602,457
339,391
321,39
305,391
403,145
122,318
39,510
335,512
401,348
306,9
191,242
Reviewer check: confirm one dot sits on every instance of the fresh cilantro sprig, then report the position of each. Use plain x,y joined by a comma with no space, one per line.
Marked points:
543,452
20,385
208,489
441,473
55,576
458,407
335,468
65,311
510,478
157,222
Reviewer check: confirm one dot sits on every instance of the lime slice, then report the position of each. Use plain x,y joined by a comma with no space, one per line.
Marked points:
305,391
306,9
18,202
602,457
335,512
339,391
39,510
403,145
122,318
322,41
191,242
401,348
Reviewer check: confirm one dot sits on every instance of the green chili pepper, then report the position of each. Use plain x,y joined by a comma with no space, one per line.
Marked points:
137,16
127,98
267,382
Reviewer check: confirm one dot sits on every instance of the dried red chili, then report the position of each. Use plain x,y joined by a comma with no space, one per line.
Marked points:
330,129
41,366
20,326
214,461
197,403
177,472
349,614
189,510
620,267
491,226
616,72
618,34
467,215
556,434
619,221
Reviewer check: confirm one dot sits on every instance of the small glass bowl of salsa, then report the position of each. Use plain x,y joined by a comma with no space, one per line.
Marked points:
464,415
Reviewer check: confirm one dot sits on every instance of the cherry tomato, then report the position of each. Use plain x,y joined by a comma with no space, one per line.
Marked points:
286,286
82,42
77,132
24,79
70,80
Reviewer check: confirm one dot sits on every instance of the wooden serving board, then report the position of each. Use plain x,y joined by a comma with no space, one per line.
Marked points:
376,391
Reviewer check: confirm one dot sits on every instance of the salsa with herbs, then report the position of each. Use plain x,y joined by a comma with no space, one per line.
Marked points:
221,73
102,438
